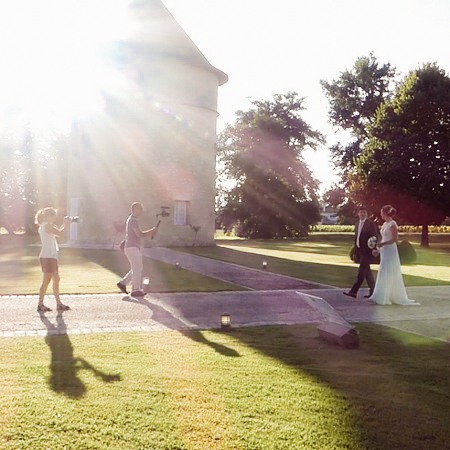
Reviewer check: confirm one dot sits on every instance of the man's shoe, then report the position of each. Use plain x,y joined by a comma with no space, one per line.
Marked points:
350,294
368,296
139,293
122,287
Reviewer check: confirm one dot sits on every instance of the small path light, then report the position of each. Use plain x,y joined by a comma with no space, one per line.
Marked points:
225,322
177,265
146,284
264,265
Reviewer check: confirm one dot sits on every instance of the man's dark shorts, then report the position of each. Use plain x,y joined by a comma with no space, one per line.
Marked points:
49,265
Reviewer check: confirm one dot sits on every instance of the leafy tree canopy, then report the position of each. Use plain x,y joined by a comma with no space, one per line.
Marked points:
354,98
406,159
26,165
274,193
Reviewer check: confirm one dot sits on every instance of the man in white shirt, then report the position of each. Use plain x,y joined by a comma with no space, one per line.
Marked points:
133,251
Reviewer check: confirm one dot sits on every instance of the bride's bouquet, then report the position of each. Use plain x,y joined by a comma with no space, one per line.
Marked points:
372,244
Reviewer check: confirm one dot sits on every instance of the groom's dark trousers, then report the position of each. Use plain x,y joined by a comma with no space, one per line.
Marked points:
364,272
365,256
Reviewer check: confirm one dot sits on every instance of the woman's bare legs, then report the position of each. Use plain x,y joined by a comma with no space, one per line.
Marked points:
46,278
59,304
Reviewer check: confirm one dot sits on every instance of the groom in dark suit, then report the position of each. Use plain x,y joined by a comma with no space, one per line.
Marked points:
364,229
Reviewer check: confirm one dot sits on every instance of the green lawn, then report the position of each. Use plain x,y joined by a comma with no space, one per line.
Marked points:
90,271
323,258
258,388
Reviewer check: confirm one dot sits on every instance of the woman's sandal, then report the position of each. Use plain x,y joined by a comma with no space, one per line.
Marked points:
43,308
62,307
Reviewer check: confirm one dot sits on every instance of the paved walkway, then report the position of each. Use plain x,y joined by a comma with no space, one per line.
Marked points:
254,279
274,299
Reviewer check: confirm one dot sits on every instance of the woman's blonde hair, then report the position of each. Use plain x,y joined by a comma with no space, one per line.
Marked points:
389,210
42,214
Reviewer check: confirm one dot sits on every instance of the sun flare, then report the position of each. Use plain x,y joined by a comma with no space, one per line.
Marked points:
54,64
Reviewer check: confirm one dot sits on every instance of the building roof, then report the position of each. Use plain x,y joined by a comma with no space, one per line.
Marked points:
155,31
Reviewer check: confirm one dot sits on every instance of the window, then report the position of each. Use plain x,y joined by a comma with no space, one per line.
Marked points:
180,212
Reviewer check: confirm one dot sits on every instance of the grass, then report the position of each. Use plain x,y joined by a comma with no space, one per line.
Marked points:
253,388
323,258
277,387
90,271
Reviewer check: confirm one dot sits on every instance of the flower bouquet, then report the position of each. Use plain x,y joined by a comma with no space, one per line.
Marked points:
372,244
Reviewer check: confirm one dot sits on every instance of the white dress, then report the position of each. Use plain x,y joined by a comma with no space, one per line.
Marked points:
389,287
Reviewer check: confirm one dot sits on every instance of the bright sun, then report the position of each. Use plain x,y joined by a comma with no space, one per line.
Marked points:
53,66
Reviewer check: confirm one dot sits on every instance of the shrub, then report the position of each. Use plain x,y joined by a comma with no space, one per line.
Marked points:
406,252
418,229
332,228
402,228
353,255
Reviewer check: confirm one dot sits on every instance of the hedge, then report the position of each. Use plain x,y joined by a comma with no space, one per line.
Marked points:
401,229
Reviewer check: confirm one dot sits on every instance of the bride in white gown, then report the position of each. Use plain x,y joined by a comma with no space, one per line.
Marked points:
389,287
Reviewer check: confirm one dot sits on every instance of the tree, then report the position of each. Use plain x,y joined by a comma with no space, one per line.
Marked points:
273,192
33,173
406,159
337,198
334,197
354,97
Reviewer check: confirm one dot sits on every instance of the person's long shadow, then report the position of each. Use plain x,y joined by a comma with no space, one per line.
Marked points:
164,317
64,366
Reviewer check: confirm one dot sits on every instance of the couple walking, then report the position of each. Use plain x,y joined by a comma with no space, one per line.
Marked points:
389,287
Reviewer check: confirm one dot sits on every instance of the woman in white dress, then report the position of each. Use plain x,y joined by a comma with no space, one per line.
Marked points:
389,287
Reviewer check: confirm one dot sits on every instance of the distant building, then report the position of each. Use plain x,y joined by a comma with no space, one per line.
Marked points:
155,141
329,215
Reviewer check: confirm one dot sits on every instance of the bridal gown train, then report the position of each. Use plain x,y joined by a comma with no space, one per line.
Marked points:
389,287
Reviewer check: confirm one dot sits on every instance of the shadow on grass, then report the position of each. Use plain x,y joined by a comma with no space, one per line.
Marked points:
163,276
166,318
332,248
113,260
329,274
64,366
398,384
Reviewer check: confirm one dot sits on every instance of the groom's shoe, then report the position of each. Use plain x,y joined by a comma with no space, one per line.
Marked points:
350,294
122,287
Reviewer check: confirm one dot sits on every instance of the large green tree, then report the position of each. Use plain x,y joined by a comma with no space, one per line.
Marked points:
406,158
269,190
354,97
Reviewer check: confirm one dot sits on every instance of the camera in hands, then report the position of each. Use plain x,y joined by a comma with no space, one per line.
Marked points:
164,212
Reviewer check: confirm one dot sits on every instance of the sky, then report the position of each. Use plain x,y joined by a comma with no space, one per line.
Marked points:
272,47
265,47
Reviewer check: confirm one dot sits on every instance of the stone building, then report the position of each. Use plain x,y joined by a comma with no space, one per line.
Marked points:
154,140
